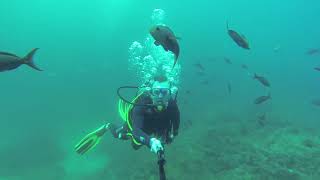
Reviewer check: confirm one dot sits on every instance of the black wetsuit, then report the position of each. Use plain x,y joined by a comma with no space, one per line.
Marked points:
146,121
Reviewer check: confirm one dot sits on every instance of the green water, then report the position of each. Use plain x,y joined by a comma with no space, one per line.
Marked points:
84,54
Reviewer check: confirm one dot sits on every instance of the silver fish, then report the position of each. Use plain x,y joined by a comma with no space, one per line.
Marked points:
313,51
199,66
316,102
239,39
229,87
243,66
227,60
9,61
262,119
262,99
317,68
262,80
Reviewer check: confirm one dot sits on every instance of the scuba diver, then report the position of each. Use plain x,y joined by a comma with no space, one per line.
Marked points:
151,119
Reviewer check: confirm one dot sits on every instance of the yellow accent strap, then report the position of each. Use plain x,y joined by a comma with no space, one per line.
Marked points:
134,140
124,112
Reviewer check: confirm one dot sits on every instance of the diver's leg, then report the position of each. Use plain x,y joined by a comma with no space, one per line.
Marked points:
119,132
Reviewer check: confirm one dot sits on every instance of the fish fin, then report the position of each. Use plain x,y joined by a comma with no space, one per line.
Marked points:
175,61
28,59
243,36
178,38
157,43
250,74
8,54
165,48
91,140
255,76
172,38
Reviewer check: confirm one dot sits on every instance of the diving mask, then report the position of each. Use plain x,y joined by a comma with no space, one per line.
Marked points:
160,94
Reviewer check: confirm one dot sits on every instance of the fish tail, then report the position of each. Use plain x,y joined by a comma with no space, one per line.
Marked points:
255,76
175,61
173,66
227,25
28,59
251,75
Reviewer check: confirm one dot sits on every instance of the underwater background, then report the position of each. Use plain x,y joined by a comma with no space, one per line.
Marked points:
84,52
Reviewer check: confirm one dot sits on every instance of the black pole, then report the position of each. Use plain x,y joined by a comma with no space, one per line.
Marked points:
161,162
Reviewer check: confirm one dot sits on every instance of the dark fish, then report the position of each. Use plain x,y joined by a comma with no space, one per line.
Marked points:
317,68
188,92
199,66
211,59
316,102
229,87
227,60
187,124
313,51
205,82
243,66
262,80
185,102
10,61
164,36
262,119
240,40
201,73
262,99
276,48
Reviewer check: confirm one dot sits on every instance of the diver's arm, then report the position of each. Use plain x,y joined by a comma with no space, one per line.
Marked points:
137,120
175,119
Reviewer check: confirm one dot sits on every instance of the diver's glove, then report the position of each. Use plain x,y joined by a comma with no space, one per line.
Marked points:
155,145
170,138
175,133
